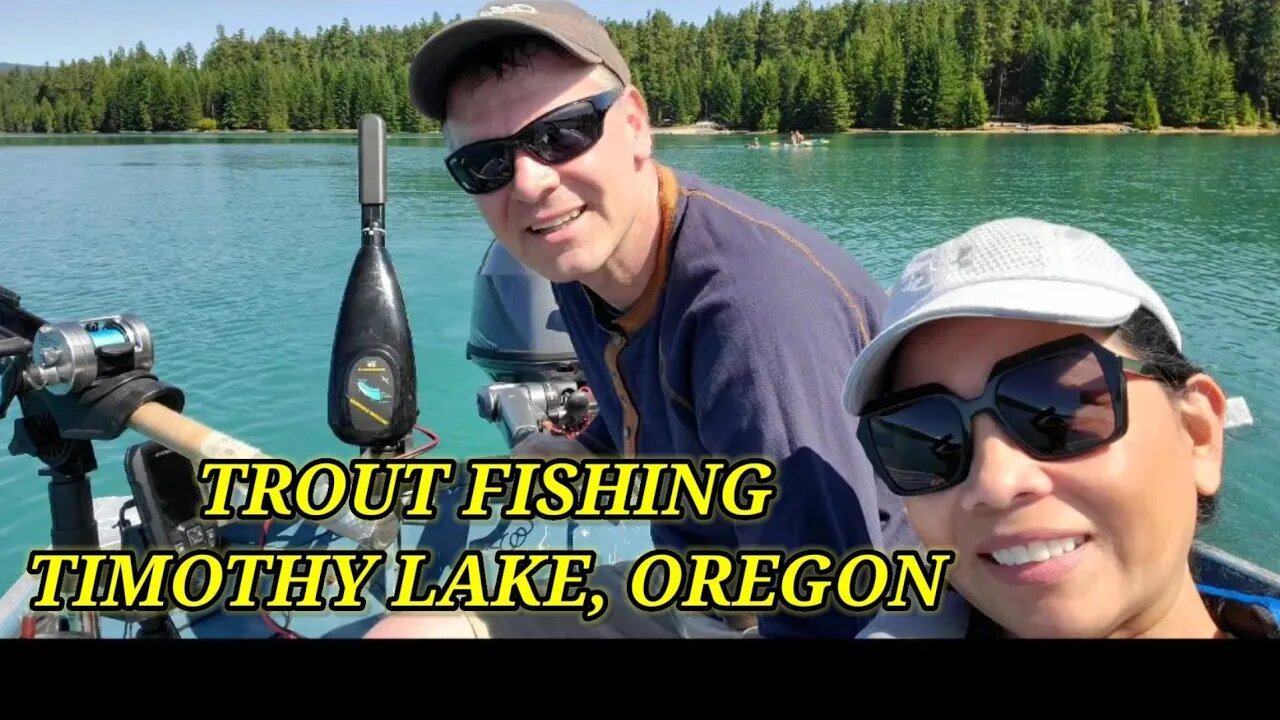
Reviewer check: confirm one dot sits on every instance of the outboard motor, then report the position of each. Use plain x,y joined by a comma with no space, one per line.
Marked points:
519,340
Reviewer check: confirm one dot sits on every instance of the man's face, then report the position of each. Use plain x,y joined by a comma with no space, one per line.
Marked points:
562,221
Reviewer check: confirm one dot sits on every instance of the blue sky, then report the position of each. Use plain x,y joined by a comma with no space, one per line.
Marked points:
38,31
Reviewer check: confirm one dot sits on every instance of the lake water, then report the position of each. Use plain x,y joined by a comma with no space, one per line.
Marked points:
235,250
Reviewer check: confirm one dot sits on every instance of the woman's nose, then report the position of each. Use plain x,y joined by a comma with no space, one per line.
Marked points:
1001,474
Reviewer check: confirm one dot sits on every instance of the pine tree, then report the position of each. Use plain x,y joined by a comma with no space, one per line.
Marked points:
1148,116
1246,114
1182,101
1220,96
902,63
1128,75
890,80
972,111
724,105
1039,71
761,97
1079,79
833,113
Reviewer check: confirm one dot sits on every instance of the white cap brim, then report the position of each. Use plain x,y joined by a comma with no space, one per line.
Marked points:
1069,303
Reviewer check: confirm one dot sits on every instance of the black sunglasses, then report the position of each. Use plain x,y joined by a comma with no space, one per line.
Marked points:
1056,401
557,136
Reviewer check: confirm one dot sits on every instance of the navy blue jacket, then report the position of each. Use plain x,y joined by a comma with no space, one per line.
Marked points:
739,347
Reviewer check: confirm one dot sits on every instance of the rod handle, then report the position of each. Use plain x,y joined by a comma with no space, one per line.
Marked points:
373,159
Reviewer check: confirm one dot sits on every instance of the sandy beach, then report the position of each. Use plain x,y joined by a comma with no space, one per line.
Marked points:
996,128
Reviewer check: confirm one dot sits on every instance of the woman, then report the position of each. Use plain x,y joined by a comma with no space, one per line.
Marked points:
1029,398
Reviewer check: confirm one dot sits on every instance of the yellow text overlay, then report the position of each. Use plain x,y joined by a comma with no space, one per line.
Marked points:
121,581
769,581
312,580
526,489
538,580
610,489
323,488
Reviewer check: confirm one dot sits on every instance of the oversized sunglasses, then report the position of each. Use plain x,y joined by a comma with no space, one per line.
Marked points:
555,137
1056,401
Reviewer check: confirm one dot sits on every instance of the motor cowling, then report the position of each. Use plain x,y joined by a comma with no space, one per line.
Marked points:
520,341
517,334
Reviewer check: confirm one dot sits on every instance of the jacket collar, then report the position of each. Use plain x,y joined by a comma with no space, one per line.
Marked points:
644,307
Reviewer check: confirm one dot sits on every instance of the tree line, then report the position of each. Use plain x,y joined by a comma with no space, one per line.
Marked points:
910,64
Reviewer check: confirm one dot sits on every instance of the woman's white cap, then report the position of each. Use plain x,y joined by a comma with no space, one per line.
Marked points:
1012,268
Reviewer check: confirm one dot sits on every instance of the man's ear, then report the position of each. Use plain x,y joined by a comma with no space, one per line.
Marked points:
1202,407
638,123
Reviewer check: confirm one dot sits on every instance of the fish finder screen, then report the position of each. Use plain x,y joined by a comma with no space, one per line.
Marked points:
175,487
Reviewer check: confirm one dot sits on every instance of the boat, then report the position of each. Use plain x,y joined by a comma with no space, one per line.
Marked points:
535,385
779,145
802,145
516,339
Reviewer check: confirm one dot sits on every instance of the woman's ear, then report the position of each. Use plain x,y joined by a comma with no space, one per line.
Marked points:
1203,410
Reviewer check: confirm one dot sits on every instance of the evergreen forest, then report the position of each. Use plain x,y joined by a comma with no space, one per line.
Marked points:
906,64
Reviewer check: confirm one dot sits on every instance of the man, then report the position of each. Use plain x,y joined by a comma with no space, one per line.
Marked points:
708,324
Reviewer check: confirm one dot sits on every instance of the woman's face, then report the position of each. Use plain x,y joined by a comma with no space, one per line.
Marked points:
1119,521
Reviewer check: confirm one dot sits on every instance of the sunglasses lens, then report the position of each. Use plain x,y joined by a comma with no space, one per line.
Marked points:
920,446
482,168
567,134
558,137
1059,406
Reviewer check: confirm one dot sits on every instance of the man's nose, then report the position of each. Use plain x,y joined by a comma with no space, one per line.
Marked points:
1001,474
533,178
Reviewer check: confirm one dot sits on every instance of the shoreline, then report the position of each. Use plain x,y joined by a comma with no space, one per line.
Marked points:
990,128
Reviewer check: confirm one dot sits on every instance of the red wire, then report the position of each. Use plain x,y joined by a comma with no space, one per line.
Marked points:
266,527
266,616
435,440
571,434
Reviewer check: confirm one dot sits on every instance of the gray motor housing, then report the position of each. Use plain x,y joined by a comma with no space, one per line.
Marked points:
517,334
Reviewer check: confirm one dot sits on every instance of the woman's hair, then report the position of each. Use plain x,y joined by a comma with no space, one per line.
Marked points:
1147,337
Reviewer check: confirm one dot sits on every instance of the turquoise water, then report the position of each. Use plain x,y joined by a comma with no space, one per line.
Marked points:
235,250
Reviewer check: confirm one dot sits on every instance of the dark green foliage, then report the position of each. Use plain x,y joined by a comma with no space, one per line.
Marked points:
972,110
1246,114
832,113
1148,114
856,63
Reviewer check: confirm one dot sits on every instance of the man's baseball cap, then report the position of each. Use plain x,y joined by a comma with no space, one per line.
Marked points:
565,23
1012,268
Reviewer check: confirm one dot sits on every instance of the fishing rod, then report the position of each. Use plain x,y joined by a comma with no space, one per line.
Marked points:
83,381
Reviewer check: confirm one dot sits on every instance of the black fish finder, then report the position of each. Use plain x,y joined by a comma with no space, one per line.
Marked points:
168,499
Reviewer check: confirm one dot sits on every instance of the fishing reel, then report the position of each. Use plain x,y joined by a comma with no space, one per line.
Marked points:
66,357
75,382
69,356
